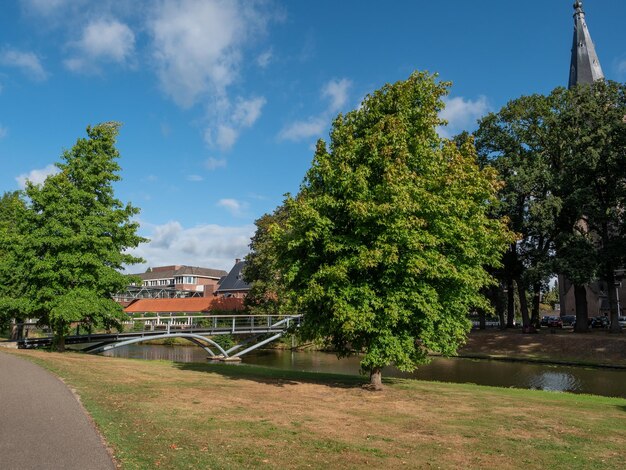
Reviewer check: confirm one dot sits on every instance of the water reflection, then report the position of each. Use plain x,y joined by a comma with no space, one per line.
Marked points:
495,373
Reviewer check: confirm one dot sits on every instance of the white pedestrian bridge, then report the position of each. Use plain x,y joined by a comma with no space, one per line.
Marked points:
252,331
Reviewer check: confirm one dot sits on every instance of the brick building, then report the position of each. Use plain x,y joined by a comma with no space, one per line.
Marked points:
204,281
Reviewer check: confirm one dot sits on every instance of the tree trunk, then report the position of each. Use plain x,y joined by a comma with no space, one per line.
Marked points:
611,291
59,332
376,379
582,317
521,291
481,319
534,318
15,330
61,343
502,319
563,288
510,306
500,307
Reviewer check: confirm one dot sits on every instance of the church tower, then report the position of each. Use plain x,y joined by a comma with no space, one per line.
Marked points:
585,65
584,69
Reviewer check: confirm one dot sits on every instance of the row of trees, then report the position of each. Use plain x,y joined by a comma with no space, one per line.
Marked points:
394,237
63,242
562,158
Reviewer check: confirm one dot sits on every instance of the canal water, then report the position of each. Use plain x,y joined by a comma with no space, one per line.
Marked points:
607,382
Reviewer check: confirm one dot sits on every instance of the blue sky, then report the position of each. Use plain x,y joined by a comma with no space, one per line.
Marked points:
222,101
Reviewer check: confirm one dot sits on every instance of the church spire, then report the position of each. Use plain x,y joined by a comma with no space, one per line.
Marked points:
585,66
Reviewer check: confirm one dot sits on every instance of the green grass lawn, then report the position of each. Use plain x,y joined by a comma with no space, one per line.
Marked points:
158,414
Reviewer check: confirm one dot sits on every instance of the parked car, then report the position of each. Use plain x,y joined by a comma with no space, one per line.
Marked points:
555,322
552,321
596,322
622,321
599,322
568,320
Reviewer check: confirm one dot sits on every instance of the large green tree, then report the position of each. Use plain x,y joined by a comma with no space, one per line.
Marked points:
266,295
12,209
385,246
71,244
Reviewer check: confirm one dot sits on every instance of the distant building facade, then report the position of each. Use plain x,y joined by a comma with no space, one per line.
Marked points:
183,278
597,298
171,282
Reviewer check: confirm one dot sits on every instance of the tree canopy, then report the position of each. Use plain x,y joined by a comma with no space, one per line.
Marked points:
12,209
385,246
68,248
593,182
518,142
563,160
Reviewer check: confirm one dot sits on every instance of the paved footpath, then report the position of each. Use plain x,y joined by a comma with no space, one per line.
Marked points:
42,425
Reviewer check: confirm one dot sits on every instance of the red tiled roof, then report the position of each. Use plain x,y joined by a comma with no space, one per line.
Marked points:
189,305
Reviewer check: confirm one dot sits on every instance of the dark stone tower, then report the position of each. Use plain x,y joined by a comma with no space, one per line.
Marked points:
584,69
585,65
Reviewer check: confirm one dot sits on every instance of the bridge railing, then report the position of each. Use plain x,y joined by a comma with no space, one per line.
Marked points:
220,324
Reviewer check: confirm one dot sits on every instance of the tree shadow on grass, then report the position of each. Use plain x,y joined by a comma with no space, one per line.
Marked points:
276,377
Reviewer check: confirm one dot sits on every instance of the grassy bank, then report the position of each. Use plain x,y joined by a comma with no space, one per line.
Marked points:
597,347
158,414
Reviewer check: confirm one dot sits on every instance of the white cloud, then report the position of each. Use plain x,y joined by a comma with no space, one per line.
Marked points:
211,246
461,114
214,163
621,68
229,120
164,235
27,62
102,40
248,111
76,64
198,48
36,176
235,207
337,92
300,130
226,136
264,59
3,131
194,178
45,7
198,45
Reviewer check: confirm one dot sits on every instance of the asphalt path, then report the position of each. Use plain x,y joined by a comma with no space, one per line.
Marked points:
42,425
